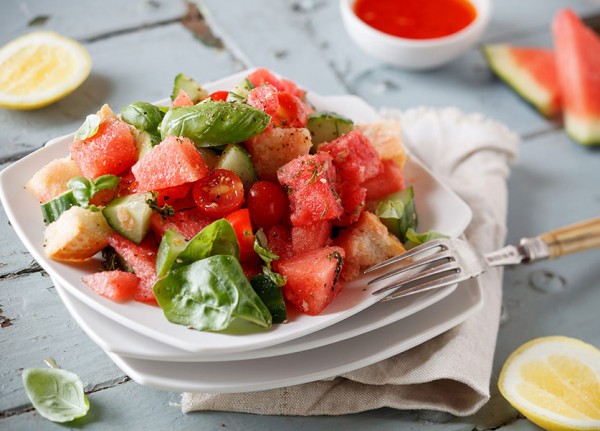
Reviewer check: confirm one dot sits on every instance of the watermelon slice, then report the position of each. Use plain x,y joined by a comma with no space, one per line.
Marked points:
531,72
577,50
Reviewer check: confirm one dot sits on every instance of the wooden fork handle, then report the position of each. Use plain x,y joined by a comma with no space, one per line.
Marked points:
573,238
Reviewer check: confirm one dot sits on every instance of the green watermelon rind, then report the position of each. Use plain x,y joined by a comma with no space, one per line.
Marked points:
517,78
583,131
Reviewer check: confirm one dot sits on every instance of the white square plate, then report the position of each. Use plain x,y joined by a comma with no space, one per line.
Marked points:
439,209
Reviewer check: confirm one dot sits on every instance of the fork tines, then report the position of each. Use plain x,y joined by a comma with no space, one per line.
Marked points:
437,264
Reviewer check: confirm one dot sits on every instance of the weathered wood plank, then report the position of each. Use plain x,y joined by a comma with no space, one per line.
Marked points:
84,20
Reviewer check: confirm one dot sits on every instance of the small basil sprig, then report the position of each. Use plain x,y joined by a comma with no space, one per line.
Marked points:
414,239
56,394
89,127
262,249
84,189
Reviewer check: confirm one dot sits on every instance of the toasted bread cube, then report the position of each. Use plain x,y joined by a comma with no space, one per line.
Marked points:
386,138
78,234
51,180
275,147
366,243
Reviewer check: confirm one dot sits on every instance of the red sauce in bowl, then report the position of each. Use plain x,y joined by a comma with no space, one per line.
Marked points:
416,19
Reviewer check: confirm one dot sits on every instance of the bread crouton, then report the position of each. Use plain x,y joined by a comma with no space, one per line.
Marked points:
366,243
386,138
275,147
78,234
51,180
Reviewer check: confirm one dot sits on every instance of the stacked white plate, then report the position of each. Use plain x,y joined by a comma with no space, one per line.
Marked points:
354,331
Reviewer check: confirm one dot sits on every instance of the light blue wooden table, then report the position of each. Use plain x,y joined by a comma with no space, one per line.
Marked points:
140,45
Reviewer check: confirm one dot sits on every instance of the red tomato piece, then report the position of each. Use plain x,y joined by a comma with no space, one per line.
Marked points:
267,203
219,96
291,112
170,194
240,220
218,193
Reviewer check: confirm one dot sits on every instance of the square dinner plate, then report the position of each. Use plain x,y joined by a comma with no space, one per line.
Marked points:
439,208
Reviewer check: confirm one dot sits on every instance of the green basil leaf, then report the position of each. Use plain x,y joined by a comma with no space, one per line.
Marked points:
275,277
143,116
209,294
82,190
89,127
216,238
414,239
104,182
213,123
56,394
397,211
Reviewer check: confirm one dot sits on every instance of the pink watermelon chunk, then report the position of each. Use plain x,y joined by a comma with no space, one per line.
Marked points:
531,72
310,181
577,50
312,278
114,285
173,162
310,237
110,151
142,259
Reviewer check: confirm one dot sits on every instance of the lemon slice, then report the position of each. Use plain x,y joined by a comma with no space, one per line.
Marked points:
40,68
555,383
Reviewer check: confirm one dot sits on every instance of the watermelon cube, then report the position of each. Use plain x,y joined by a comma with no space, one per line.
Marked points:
312,278
389,180
310,181
173,162
355,159
142,259
111,150
353,199
310,237
114,285
280,242
187,222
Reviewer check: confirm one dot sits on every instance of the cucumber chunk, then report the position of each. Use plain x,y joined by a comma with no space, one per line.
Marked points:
326,126
270,294
194,91
236,159
144,142
240,91
129,216
171,245
52,210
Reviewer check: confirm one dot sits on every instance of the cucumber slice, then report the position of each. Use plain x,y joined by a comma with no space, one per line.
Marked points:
191,87
171,244
236,159
270,294
129,216
397,211
52,210
326,126
144,142
235,98
242,89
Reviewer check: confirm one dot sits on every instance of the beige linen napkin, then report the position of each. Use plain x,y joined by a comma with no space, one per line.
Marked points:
451,372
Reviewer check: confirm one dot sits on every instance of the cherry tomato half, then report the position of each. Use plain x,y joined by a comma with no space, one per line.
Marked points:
218,193
219,96
240,220
267,203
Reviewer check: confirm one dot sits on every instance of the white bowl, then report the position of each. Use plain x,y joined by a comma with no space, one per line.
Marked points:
415,54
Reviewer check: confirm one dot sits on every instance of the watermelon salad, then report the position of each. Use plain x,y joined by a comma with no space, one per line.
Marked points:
231,205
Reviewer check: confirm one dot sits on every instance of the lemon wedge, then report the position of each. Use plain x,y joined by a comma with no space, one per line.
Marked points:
555,383
40,68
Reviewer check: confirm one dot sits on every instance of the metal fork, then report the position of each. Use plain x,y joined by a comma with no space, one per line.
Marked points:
443,262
